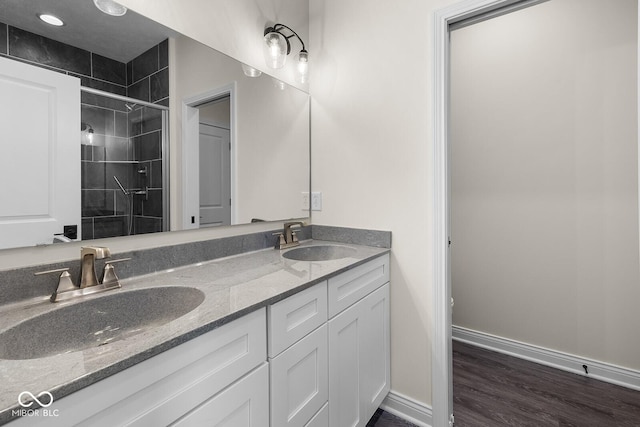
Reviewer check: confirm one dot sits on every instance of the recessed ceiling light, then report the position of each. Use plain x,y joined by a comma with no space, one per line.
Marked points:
51,20
110,7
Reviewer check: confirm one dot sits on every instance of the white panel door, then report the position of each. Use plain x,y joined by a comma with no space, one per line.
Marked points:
345,358
39,154
215,176
299,384
376,346
359,360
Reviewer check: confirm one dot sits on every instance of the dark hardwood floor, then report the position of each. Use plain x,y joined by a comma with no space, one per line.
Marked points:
384,419
492,389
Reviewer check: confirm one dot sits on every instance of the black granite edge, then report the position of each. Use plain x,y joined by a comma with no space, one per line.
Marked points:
109,370
355,236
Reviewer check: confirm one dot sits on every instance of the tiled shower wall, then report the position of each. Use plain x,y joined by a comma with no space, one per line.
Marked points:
124,141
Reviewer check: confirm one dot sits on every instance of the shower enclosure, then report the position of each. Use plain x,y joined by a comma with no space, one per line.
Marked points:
124,176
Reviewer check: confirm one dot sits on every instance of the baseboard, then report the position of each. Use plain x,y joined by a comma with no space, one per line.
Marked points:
567,362
407,409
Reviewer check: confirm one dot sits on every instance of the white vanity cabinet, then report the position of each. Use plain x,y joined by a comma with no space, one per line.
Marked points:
298,358
190,382
331,343
359,345
317,358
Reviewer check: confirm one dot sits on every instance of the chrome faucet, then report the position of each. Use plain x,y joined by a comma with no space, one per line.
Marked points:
88,256
288,236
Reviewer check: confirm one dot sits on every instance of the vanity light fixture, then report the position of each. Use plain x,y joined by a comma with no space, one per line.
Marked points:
277,47
51,19
278,84
86,133
110,7
249,71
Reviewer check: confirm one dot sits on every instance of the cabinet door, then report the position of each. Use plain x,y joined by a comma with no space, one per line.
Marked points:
321,419
359,356
376,350
345,358
243,404
299,384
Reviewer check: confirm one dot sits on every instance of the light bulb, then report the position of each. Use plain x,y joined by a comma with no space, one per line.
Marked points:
110,7
51,20
303,67
250,71
278,84
275,51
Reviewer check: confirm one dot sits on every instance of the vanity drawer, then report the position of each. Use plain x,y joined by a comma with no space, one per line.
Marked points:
293,318
244,404
353,285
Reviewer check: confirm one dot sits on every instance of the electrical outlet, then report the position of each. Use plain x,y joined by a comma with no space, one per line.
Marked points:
316,201
305,201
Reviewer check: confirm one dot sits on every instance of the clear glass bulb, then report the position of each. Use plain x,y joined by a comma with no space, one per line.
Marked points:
110,7
303,67
275,50
249,71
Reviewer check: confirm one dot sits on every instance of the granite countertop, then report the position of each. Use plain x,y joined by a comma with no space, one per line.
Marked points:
232,286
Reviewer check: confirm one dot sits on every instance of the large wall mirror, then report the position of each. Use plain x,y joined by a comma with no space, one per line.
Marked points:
162,134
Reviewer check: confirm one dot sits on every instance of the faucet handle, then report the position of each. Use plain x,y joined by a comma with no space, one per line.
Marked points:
65,283
281,240
109,274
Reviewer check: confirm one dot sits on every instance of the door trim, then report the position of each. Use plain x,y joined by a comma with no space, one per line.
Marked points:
190,133
441,371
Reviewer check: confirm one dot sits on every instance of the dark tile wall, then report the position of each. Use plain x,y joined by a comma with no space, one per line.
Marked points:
3,39
93,70
41,50
105,208
125,140
148,74
149,77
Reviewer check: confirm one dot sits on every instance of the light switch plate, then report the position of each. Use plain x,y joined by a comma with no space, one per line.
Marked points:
316,201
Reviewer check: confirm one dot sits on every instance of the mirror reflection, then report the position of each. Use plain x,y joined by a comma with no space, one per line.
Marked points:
173,135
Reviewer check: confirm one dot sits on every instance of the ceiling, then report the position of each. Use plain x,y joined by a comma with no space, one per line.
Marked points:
121,38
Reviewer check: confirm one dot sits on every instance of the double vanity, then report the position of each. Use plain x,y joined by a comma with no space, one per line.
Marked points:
295,337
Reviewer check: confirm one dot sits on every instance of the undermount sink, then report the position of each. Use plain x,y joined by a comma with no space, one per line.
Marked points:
97,322
319,253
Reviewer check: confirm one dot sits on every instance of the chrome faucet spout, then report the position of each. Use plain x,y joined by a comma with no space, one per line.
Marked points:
88,256
288,237
288,233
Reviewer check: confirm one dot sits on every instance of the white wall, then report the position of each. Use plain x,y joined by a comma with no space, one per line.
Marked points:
545,178
272,133
235,28
372,152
